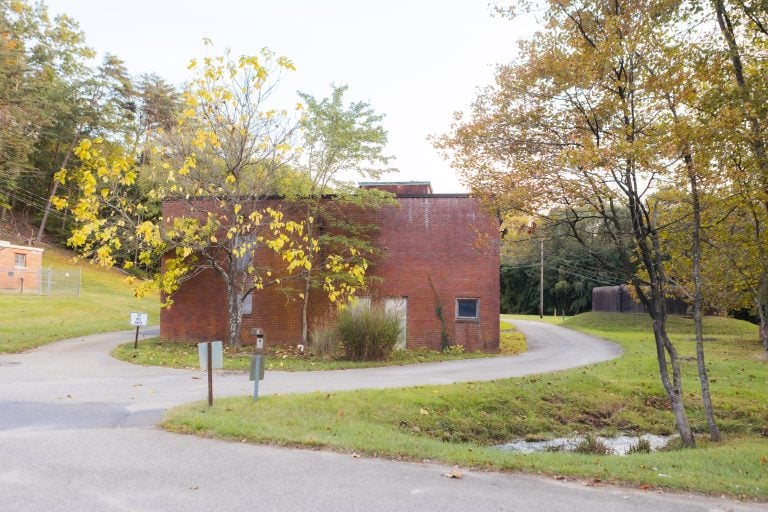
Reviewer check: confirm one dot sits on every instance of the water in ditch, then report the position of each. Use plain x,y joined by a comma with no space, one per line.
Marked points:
619,445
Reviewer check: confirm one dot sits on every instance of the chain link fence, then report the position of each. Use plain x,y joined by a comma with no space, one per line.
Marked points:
46,281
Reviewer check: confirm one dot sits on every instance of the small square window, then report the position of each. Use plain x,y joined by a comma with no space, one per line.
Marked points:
467,308
20,261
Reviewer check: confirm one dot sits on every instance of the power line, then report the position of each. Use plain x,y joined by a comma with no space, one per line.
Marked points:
31,200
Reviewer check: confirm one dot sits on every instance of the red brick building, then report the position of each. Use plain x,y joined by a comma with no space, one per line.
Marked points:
20,267
440,251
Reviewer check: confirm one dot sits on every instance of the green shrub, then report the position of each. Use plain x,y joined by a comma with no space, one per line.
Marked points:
367,334
642,446
324,339
592,445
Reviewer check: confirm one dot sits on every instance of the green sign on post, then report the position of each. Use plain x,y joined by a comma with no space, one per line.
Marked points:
257,367
257,363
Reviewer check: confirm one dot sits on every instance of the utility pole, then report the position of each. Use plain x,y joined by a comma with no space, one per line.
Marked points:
541,279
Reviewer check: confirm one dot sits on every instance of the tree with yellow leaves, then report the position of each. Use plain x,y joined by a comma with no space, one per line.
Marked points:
228,152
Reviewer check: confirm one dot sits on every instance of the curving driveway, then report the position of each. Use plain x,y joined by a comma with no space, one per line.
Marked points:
77,433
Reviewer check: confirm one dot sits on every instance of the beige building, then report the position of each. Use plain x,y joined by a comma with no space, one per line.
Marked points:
20,268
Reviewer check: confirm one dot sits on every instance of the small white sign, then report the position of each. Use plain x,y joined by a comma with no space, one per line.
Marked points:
139,319
217,355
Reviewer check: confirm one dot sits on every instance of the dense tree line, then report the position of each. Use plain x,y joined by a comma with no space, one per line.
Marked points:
570,271
51,98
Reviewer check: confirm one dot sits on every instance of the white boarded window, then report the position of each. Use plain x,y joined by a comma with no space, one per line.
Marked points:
360,303
399,306
248,304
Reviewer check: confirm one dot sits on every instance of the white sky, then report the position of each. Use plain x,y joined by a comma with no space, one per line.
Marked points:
416,61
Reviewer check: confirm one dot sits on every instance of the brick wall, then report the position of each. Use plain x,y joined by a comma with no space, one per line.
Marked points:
436,248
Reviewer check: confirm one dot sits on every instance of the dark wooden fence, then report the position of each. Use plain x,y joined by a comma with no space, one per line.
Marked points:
617,299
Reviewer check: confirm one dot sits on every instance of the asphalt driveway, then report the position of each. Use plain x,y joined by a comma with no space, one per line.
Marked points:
77,433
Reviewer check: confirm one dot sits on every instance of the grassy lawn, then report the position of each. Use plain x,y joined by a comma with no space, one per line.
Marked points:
105,304
459,424
183,355
557,320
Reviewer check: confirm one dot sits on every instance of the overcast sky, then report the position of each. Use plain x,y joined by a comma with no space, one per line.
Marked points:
415,61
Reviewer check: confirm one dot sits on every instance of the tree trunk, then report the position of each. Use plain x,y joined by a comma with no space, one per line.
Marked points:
305,308
312,210
234,312
649,249
54,188
673,388
714,431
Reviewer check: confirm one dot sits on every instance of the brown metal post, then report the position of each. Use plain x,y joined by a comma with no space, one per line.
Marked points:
541,280
136,339
210,374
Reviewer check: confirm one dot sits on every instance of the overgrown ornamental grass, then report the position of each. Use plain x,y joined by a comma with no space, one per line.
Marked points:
105,304
459,424
152,352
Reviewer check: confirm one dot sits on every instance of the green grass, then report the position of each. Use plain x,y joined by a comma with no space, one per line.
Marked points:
557,320
458,424
182,355
511,341
105,304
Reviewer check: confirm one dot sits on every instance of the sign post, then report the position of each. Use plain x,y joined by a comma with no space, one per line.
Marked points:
211,356
209,364
257,363
138,319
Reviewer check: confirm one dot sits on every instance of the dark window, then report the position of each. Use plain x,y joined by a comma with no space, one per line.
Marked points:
466,308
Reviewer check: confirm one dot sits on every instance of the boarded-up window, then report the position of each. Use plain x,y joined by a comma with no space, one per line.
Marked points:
248,304
360,303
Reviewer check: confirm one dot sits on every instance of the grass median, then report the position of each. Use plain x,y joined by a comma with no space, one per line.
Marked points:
152,352
460,424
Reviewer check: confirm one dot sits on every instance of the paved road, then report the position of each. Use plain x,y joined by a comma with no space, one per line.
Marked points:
77,433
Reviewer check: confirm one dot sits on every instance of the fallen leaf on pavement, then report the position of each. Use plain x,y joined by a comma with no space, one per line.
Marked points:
454,474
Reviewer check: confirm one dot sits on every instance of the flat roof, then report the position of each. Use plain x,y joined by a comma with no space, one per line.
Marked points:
4,244
373,183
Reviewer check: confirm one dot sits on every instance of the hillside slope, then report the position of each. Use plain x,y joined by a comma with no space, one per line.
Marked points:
104,304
